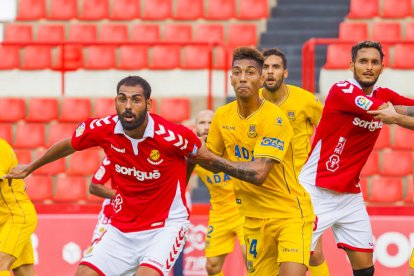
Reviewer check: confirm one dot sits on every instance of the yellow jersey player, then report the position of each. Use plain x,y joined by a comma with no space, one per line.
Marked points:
255,137
225,221
18,220
302,108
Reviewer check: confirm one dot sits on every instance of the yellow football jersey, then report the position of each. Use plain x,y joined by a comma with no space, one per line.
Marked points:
304,111
18,219
15,191
264,134
220,186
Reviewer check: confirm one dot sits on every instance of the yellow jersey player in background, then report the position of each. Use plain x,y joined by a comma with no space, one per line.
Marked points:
302,108
255,138
18,220
225,222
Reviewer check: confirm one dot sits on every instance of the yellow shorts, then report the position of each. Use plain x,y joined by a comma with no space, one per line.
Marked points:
270,242
16,228
222,230
412,259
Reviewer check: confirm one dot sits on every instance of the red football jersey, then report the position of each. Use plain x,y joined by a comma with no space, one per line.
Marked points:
149,173
345,136
101,176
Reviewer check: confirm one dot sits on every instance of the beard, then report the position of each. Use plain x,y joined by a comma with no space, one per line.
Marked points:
134,124
273,88
365,84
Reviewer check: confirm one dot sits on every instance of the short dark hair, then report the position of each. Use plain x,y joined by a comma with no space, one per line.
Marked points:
248,53
135,81
275,52
367,44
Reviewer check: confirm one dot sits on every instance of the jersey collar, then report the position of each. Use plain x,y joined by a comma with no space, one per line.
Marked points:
149,130
354,82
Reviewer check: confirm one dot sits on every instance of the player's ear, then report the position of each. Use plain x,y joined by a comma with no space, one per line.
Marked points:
149,104
352,66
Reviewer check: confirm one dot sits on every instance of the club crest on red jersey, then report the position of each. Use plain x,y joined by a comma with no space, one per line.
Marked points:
154,157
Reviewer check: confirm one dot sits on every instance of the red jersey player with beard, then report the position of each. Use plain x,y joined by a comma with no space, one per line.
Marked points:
343,141
148,163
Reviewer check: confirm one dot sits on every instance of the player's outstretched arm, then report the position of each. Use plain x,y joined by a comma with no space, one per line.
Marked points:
101,191
254,172
389,115
55,152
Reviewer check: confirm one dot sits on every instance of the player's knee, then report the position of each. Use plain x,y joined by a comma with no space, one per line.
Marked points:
364,272
316,258
213,267
6,261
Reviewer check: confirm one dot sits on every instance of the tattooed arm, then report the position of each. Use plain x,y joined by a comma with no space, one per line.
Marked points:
404,110
390,115
254,172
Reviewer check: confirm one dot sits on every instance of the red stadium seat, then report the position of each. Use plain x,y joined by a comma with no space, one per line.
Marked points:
24,156
177,33
114,33
133,57
63,9
386,189
403,56
403,138
157,9
338,56
188,9
220,9
372,165
145,33
253,9
175,109
94,10
396,163
42,110
18,33
409,31
9,57
209,33
73,58
220,53
52,168
165,57
104,107
396,8
383,140
357,31
197,57
39,187
75,110
12,109
363,9
6,132
70,188
242,35
60,131
51,33
83,32
36,58
31,9
84,162
30,135
409,197
125,10
100,58
386,31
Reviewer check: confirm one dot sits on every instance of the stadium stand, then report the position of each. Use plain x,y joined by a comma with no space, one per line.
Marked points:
6,132
220,9
94,10
396,8
58,131
156,9
396,163
31,9
386,190
68,105
175,109
252,9
386,31
165,57
24,156
70,188
196,57
177,33
113,33
36,58
403,56
84,162
363,9
54,168
12,109
10,58
356,30
132,57
36,132
403,139
63,9
208,33
39,187
18,33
